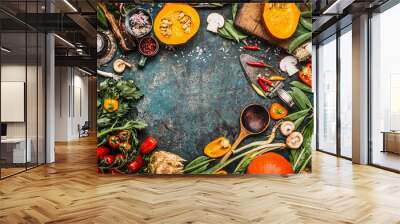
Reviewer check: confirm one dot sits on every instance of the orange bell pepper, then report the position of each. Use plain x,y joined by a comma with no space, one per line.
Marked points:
277,111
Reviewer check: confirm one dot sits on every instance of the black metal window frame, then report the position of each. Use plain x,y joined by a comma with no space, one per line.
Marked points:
336,38
44,80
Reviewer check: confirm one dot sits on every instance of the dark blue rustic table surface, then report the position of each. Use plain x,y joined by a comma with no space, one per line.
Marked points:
194,93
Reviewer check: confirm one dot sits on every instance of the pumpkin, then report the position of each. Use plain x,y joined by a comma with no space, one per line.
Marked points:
281,19
176,23
270,163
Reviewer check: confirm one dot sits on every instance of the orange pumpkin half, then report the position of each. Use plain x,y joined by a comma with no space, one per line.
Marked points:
270,163
281,19
176,23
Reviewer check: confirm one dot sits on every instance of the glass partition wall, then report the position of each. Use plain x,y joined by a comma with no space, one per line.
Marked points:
385,89
22,77
334,94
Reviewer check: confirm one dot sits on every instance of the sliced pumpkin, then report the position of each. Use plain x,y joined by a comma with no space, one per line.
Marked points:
176,23
217,148
281,19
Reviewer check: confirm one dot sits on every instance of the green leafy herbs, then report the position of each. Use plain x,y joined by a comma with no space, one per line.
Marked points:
127,95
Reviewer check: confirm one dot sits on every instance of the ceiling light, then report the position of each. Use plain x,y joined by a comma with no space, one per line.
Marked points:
65,41
337,7
331,7
70,5
5,50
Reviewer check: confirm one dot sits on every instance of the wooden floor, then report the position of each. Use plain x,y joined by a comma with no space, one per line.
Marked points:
70,191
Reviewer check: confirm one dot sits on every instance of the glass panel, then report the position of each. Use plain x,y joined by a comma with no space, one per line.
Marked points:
31,99
346,94
385,84
327,96
32,89
13,92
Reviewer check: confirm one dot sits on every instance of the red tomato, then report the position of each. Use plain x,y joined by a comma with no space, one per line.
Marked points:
108,159
119,158
270,163
136,164
148,145
113,142
102,151
125,147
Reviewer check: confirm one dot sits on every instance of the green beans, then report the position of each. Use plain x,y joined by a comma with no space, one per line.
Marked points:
297,115
298,41
306,14
300,30
306,23
301,86
199,164
229,31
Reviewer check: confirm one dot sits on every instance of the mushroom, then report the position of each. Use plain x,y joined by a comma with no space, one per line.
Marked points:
215,21
119,65
288,64
294,140
303,52
287,127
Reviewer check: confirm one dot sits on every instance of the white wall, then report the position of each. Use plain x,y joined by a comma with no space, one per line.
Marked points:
70,83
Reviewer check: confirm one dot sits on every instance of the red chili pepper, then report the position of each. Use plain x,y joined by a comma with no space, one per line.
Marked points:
136,164
265,80
251,47
257,64
262,84
148,145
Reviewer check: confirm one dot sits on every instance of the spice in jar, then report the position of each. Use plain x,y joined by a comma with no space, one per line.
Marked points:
140,24
148,46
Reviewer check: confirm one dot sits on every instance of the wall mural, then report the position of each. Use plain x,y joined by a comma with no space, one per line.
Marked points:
204,88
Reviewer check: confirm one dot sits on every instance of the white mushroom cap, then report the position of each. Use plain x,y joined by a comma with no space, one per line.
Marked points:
215,21
288,64
287,127
294,140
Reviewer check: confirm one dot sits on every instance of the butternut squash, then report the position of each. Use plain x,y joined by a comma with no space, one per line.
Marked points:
176,23
281,19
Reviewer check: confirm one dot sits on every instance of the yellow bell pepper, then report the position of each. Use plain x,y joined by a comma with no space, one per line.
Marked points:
217,148
110,105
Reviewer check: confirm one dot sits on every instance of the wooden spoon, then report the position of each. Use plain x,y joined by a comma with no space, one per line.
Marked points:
254,119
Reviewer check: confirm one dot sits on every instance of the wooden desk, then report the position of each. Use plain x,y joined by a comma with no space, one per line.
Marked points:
13,150
391,141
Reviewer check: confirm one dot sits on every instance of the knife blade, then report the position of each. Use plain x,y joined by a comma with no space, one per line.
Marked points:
251,73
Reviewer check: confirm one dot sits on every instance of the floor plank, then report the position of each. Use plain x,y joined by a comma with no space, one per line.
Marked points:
70,191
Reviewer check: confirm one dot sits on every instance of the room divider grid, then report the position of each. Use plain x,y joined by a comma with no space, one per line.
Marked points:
23,86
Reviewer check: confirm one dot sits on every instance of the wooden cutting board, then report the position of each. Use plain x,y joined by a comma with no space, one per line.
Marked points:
249,19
